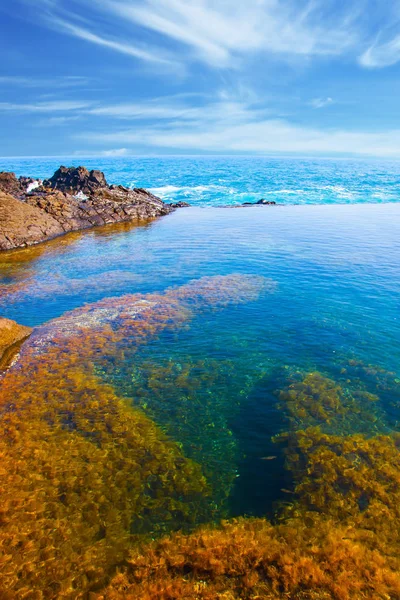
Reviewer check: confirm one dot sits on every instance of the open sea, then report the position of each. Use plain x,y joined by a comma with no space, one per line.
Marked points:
280,319
216,181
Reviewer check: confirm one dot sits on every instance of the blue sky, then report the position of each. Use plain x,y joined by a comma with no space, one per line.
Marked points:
120,77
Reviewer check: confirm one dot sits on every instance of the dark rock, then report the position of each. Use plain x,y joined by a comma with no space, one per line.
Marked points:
180,204
260,202
74,180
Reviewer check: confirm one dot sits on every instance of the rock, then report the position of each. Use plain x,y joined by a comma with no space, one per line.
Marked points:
23,225
10,184
11,334
179,204
72,199
17,187
262,202
74,180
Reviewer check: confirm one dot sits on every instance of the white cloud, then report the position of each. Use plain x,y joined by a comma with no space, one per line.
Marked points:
59,82
219,31
321,102
222,127
382,55
115,152
113,44
40,107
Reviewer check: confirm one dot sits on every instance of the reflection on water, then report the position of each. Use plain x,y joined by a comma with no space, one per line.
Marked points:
211,365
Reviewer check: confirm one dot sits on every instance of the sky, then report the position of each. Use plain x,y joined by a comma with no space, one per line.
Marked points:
134,77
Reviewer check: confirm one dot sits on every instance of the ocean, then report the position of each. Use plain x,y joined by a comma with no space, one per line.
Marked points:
219,181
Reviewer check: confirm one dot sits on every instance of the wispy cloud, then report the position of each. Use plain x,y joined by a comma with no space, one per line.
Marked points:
44,107
114,44
65,81
246,130
382,54
216,32
115,152
219,31
223,34
321,102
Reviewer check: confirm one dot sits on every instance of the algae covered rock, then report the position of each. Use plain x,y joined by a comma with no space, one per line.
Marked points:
10,334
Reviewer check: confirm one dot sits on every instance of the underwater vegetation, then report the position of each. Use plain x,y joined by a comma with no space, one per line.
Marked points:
193,401
249,559
338,538
98,501
84,474
314,400
81,473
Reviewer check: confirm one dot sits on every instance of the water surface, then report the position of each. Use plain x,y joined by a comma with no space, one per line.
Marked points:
212,384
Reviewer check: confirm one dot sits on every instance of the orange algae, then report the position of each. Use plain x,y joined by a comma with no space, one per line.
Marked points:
339,539
82,473
313,399
250,559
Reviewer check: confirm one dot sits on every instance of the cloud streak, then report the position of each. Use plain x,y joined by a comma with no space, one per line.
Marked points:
218,32
227,127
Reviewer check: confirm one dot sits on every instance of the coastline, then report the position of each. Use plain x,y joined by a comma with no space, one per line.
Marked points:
74,199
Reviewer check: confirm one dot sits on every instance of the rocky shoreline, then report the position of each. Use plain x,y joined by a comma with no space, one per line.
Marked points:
32,211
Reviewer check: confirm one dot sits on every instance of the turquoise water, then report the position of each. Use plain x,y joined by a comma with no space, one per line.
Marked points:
216,181
211,384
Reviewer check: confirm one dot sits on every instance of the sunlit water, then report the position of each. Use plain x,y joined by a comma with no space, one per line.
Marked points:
211,385
216,181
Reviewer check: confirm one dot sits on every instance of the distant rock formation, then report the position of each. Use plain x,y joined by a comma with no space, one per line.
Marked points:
73,199
261,202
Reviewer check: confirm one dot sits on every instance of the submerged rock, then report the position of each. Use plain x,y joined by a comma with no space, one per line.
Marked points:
11,333
71,200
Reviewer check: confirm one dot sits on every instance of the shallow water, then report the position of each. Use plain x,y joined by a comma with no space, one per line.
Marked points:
216,181
211,383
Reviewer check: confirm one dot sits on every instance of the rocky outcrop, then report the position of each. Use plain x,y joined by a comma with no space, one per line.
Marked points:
261,202
73,199
11,334
76,180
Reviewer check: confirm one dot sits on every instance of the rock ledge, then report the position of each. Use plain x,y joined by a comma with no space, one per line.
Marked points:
32,211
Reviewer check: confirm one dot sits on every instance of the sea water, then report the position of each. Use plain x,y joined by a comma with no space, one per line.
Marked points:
213,385
216,181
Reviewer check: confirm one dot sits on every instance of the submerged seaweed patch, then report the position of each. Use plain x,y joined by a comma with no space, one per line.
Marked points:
83,473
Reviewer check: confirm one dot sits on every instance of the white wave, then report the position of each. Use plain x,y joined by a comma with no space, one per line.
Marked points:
197,190
81,196
32,186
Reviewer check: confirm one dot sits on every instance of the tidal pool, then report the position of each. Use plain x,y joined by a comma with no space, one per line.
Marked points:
213,364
